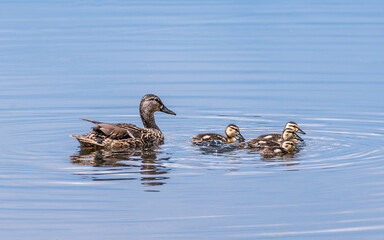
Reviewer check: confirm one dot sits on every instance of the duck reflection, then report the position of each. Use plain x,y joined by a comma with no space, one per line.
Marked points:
141,165
287,160
216,147
283,161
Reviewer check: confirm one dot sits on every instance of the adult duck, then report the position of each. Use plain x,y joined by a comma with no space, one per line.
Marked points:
120,136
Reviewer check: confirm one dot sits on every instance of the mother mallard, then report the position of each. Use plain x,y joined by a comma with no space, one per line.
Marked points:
120,136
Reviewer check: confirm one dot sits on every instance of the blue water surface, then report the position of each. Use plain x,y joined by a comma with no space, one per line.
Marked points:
257,64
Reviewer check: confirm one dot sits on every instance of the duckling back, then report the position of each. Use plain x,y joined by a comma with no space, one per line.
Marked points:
204,137
273,152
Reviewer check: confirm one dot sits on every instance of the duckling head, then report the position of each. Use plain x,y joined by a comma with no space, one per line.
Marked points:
289,146
294,126
289,134
152,103
233,131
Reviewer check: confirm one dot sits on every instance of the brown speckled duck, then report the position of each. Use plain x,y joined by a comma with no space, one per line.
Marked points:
267,141
232,131
287,147
276,137
122,136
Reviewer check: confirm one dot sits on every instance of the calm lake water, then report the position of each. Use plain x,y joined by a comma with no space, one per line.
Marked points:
257,64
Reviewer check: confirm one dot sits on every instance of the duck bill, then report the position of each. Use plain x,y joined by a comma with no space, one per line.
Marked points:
164,109
298,138
300,131
241,138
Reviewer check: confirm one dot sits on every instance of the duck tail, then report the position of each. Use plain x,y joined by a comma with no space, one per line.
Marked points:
88,120
86,142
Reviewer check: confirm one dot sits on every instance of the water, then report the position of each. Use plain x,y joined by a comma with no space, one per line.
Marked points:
254,64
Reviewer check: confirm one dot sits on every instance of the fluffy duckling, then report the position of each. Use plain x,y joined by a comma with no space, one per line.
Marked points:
287,147
294,126
121,136
288,134
277,137
232,131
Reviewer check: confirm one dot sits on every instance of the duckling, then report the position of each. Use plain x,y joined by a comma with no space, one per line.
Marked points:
287,147
276,137
288,134
232,131
120,136
294,126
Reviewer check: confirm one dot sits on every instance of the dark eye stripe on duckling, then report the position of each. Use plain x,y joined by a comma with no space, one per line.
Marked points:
154,99
233,127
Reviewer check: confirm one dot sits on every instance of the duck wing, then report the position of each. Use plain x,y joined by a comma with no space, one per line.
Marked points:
272,137
116,131
261,143
134,130
208,137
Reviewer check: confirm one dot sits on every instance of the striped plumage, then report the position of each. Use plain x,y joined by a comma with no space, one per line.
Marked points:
273,140
294,126
122,136
232,131
287,147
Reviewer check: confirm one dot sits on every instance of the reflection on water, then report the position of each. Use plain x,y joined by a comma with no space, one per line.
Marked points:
256,64
123,163
216,147
287,160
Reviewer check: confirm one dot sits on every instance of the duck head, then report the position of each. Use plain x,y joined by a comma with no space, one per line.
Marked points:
150,104
233,131
294,126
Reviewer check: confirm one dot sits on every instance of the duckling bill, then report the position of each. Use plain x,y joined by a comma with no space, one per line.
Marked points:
112,136
232,131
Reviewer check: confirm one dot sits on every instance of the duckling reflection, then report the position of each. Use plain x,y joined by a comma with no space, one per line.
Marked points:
142,165
216,147
286,160
278,156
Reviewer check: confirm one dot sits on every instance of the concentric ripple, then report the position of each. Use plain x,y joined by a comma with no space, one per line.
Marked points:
329,144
